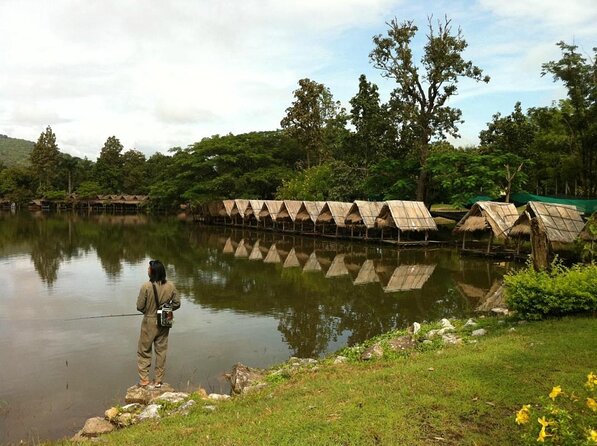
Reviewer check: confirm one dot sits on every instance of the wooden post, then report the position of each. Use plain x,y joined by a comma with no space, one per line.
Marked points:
490,243
398,234
366,232
463,239
352,231
382,234
540,246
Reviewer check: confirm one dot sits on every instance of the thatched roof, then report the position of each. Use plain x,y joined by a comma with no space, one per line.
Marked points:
309,210
254,208
366,274
270,209
406,216
589,232
228,205
272,255
499,217
337,268
239,208
409,277
256,252
364,213
334,212
562,223
312,263
241,250
292,260
288,210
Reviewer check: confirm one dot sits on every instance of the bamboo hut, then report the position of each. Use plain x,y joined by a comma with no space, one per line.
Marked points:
312,264
409,277
238,210
363,214
560,224
366,274
333,212
337,268
253,210
405,216
488,216
308,213
269,211
288,212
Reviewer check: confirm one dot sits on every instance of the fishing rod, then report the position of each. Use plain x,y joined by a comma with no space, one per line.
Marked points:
104,316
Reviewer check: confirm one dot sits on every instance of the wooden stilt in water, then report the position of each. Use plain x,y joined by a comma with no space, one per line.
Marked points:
463,239
490,243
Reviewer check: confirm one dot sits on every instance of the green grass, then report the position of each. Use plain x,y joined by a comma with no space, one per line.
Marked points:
460,395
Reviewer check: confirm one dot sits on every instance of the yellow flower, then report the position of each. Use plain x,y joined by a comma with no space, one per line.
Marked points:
522,416
543,435
591,380
555,392
592,435
543,422
592,404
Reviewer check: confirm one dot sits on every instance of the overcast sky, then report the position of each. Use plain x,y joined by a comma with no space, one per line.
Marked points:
161,74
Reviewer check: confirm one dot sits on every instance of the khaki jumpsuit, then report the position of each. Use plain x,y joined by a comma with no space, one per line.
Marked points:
151,334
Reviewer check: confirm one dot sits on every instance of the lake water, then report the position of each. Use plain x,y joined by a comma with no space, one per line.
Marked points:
247,296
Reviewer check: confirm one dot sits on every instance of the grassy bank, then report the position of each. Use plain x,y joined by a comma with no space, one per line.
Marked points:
457,395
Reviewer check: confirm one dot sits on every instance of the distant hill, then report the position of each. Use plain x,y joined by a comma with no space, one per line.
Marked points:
14,151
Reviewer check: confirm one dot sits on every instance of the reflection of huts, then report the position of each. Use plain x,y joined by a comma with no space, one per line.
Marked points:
256,253
241,250
228,247
409,277
272,255
269,211
292,260
312,264
308,213
561,223
288,212
366,274
405,216
337,268
237,213
488,216
363,214
333,212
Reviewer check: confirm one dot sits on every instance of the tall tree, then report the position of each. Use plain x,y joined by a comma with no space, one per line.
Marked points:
135,177
44,158
374,135
315,120
514,133
580,110
419,101
108,167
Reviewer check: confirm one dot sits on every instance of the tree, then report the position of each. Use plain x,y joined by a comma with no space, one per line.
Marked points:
44,158
374,137
315,120
135,176
580,111
419,101
108,169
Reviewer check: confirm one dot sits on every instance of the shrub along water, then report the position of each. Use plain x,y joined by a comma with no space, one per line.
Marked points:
557,292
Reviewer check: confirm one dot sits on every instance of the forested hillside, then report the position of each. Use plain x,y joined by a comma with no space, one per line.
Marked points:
14,151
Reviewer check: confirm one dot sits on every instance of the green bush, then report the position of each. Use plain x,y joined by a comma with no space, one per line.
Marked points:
555,293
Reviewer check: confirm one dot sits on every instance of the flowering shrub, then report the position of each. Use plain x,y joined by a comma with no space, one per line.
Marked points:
565,418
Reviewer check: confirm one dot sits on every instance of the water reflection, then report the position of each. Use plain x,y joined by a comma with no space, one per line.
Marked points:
250,296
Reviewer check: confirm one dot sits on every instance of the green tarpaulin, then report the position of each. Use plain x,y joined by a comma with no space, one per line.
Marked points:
583,206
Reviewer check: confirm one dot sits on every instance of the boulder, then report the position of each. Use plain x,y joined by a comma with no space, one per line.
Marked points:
243,377
470,323
171,397
375,351
402,343
479,332
96,426
151,412
185,408
111,414
133,407
218,397
451,339
416,328
125,419
499,310
445,323
340,360
144,395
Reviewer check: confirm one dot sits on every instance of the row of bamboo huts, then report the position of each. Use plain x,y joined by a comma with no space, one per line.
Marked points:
401,222
118,203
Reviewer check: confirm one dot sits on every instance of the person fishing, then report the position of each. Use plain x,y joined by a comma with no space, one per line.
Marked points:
153,294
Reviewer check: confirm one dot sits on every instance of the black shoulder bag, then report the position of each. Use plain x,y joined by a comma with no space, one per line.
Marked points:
165,315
